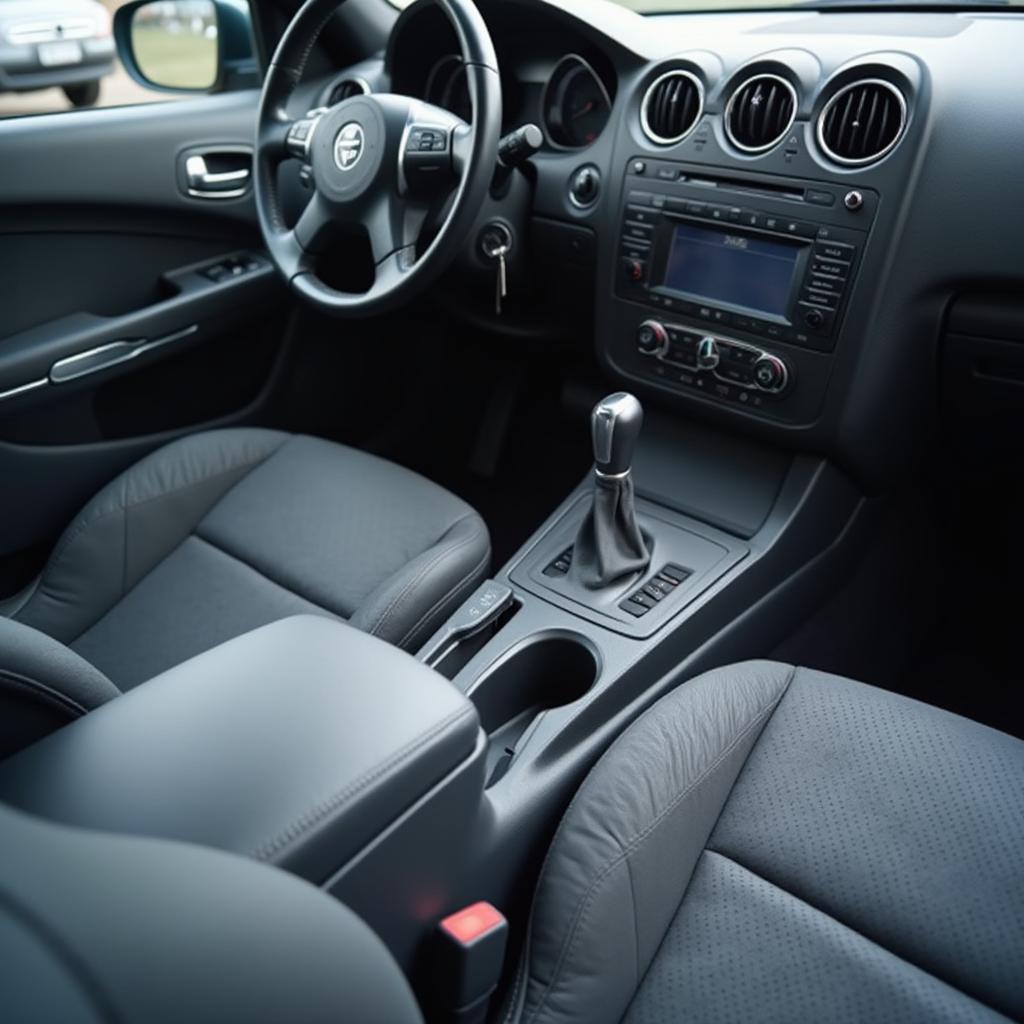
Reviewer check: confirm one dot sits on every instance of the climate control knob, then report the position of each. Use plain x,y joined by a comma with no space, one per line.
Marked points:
770,374
651,338
708,355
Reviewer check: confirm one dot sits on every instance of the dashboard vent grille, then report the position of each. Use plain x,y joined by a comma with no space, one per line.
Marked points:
760,113
671,107
346,89
862,122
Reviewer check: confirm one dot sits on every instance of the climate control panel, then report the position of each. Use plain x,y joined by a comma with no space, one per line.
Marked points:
722,367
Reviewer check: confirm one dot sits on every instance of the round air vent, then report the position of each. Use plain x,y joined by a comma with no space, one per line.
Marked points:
672,107
760,113
346,89
862,122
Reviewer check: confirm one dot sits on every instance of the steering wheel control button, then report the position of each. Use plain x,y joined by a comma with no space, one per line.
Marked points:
300,137
651,338
584,186
426,161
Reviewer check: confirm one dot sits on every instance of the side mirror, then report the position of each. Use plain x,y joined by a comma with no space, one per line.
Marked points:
198,46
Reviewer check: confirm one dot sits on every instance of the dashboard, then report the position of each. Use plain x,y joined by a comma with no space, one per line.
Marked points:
781,209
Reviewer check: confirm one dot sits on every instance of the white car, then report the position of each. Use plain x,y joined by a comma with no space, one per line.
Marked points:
63,43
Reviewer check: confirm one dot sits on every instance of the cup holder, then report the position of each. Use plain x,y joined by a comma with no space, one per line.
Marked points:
540,673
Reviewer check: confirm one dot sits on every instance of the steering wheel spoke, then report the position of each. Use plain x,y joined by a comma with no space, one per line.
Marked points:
314,226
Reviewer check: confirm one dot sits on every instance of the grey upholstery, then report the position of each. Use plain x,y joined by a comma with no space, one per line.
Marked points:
775,844
43,685
296,744
115,928
221,532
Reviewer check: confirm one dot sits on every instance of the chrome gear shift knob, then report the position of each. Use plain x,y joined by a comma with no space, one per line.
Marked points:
615,427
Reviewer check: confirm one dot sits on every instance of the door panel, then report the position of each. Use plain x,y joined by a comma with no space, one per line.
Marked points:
130,310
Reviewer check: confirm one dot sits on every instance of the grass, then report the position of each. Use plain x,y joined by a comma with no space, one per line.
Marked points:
186,60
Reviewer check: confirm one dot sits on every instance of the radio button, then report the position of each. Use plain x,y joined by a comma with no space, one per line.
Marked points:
651,338
696,209
770,374
822,283
717,212
835,251
641,231
827,300
640,215
817,319
641,198
830,268
735,213
707,354
752,219
634,270
819,197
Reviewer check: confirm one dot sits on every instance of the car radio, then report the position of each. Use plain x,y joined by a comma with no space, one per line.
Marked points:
704,250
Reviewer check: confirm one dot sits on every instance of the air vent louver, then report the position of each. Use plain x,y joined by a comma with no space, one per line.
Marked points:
671,107
862,122
346,89
760,113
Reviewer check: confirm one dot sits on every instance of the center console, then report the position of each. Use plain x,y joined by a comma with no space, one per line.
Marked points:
732,288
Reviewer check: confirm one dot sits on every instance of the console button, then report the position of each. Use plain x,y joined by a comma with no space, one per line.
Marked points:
675,572
799,228
643,232
634,270
634,607
770,374
835,251
824,283
819,197
735,213
830,268
717,212
752,219
668,173
641,215
818,319
707,353
640,198
696,209
651,338
826,300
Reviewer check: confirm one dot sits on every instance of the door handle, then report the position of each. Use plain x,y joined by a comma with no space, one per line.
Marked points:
202,183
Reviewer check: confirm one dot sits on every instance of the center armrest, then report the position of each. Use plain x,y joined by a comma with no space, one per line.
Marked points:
294,744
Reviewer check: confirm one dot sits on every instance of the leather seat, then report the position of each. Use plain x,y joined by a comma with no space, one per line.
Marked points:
776,844
214,535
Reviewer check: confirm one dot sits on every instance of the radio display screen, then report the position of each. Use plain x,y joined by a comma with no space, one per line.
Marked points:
720,266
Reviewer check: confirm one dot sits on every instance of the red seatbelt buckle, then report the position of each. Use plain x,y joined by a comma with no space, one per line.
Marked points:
470,952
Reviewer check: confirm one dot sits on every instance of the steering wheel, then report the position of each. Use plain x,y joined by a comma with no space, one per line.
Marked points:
382,160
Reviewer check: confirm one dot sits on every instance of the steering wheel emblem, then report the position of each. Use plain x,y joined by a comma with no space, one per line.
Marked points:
349,144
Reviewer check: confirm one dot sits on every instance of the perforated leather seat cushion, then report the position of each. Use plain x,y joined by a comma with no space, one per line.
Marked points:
776,844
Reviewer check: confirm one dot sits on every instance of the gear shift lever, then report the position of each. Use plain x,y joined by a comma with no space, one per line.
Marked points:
609,545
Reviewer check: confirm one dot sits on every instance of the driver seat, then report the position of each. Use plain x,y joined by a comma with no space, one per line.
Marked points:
214,535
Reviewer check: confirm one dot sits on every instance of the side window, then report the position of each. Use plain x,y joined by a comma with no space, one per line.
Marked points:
67,54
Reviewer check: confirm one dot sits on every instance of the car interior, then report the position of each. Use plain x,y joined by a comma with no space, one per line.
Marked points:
510,515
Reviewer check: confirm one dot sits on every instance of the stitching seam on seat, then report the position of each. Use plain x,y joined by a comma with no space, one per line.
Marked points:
586,900
448,595
44,692
270,579
319,811
248,463
386,615
856,931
